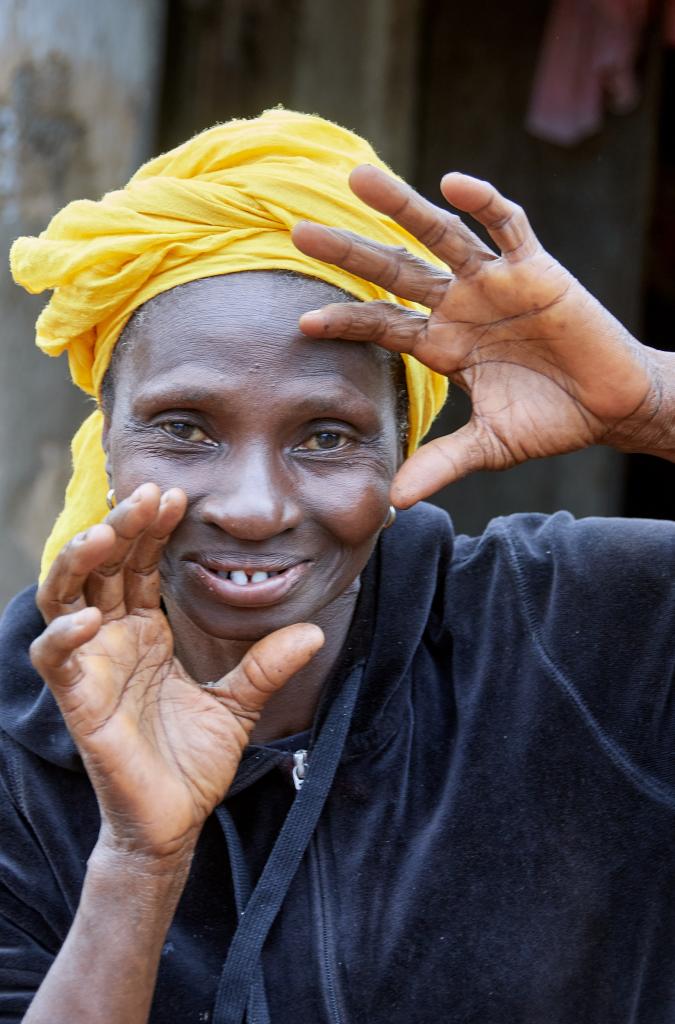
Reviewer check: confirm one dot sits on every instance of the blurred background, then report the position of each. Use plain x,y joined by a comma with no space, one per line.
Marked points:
568,106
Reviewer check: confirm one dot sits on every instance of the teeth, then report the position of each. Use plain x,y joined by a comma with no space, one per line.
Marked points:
242,579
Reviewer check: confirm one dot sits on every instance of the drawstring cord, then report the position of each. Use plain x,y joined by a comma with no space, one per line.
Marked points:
257,1011
241,983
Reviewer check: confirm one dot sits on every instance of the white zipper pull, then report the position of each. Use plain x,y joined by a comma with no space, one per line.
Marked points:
299,768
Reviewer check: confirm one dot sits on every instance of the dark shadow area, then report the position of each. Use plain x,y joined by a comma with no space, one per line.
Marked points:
649,482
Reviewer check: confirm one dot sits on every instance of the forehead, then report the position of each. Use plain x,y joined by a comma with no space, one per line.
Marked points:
244,327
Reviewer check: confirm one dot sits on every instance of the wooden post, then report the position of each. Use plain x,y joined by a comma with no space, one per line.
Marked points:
77,109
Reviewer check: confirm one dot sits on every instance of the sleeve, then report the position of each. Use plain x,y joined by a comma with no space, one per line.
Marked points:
598,600
28,936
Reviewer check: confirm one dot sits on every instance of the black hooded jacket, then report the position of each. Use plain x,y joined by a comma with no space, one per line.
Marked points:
495,841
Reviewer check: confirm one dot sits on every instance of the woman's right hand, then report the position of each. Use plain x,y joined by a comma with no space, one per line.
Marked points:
160,750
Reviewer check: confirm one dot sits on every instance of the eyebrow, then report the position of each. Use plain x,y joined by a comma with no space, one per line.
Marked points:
176,394
183,396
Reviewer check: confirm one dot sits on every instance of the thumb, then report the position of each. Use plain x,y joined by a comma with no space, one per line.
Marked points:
440,462
265,668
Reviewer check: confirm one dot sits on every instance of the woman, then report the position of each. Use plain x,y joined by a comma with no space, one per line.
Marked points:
318,768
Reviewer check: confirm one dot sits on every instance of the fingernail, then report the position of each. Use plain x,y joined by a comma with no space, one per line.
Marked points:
81,537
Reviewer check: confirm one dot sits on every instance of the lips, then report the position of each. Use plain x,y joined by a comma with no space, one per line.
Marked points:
248,583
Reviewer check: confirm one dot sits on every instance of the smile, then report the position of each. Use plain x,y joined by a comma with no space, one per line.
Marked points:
246,586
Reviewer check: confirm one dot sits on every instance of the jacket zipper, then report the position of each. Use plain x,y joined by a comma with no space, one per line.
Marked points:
300,765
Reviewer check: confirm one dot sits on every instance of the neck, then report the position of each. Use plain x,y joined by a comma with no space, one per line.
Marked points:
292,708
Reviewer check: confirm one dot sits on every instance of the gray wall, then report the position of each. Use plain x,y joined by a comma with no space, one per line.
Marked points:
77,111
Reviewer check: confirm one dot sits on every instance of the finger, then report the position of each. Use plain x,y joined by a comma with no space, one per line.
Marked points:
53,652
445,234
383,323
441,462
505,221
264,669
392,268
142,577
63,590
106,588
394,327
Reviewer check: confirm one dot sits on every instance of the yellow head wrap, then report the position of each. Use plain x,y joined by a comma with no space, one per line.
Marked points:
225,201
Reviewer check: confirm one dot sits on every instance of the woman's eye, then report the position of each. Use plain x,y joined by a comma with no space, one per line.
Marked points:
325,441
186,432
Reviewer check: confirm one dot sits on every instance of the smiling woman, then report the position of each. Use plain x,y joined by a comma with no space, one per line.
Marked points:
284,447
273,759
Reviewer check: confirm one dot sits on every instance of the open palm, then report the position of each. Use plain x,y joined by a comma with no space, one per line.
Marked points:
547,368
160,750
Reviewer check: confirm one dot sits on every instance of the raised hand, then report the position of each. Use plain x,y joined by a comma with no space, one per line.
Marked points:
160,750
548,369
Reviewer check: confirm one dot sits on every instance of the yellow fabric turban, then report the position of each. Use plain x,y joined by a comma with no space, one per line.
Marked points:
225,201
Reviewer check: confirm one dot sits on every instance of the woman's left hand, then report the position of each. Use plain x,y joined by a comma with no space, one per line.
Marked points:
547,367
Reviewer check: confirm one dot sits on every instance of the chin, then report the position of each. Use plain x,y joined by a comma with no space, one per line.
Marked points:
248,627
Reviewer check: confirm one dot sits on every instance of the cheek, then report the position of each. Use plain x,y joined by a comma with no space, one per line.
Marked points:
355,511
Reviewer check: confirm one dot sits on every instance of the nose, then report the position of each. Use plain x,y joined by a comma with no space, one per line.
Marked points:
252,498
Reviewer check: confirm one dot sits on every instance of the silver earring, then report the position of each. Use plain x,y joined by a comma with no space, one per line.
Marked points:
391,518
110,499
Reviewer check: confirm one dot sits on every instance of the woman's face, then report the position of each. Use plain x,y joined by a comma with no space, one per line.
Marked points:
284,446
